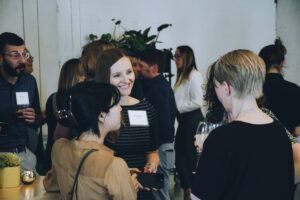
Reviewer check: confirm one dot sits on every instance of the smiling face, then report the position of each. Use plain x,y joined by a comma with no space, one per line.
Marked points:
13,60
122,76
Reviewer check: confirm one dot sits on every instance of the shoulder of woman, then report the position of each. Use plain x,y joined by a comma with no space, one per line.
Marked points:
117,164
195,74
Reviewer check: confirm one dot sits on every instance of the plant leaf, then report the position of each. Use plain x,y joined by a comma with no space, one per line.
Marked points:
163,26
146,31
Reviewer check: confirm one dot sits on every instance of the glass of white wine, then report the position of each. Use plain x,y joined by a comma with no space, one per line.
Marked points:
203,130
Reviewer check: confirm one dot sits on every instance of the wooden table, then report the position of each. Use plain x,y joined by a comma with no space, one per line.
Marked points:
34,191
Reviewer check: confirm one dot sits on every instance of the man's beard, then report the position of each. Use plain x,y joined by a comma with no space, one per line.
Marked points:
9,70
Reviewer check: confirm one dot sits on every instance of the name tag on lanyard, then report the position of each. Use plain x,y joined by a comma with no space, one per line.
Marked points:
138,118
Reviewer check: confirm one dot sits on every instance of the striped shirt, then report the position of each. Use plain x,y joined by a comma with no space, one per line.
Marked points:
135,141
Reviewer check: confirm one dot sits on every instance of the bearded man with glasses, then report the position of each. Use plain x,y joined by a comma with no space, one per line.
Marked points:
20,105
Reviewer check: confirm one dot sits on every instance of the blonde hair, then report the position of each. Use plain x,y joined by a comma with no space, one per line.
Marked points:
89,56
189,64
243,70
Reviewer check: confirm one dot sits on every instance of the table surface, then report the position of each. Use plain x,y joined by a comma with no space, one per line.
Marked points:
34,191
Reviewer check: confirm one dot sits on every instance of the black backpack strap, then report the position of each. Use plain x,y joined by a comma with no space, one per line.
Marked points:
78,171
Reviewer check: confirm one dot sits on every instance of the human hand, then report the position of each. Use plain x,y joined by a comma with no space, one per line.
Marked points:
136,184
135,171
150,167
29,115
199,140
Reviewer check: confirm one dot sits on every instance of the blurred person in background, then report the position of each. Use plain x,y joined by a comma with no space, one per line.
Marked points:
188,96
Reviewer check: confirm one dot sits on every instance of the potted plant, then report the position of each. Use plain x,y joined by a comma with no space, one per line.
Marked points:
137,41
9,170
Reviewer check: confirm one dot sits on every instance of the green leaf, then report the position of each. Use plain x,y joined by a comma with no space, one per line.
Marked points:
146,31
118,22
163,26
152,37
93,37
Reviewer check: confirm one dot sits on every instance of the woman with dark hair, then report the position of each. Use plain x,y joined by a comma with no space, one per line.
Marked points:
239,160
137,143
188,96
282,97
70,74
95,112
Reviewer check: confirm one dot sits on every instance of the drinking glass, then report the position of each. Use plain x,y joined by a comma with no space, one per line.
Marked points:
203,130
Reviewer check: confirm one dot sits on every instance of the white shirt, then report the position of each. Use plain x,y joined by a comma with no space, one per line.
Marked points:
189,95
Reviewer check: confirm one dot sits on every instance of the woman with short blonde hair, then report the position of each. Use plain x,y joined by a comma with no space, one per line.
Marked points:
251,157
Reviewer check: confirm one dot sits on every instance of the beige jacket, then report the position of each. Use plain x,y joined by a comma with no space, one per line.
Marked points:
102,175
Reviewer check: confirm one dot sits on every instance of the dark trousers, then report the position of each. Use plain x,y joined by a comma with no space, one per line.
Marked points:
185,151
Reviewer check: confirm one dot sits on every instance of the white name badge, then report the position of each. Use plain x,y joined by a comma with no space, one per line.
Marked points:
138,118
22,98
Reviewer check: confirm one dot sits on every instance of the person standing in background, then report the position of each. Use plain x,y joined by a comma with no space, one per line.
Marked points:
188,96
282,97
89,56
19,97
160,94
70,74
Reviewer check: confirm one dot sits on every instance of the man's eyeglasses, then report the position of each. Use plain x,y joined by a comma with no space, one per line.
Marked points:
17,56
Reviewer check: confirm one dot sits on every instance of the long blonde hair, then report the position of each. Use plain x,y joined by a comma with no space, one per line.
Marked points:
189,64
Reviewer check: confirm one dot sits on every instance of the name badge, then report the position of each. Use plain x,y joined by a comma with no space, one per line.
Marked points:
22,98
138,118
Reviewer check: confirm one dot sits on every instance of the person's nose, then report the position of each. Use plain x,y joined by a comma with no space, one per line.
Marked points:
126,79
23,59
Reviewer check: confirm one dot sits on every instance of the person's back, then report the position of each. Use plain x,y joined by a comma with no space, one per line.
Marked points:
249,162
283,97
83,167
101,174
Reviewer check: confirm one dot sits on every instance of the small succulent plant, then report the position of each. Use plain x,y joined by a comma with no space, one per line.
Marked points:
9,160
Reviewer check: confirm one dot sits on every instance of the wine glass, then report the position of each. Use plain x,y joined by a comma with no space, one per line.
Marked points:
203,130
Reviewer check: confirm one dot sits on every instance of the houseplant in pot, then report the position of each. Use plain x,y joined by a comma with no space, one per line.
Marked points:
135,41
9,170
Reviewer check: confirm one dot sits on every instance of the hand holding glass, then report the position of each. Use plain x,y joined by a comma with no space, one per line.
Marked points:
203,130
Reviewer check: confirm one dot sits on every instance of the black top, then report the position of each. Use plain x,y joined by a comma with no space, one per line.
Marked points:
160,94
283,99
61,102
14,135
242,161
135,142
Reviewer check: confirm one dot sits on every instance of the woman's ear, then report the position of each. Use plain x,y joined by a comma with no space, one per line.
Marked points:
227,88
101,117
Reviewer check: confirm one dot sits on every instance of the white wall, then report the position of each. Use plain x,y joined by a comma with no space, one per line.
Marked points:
288,28
211,28
56,31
